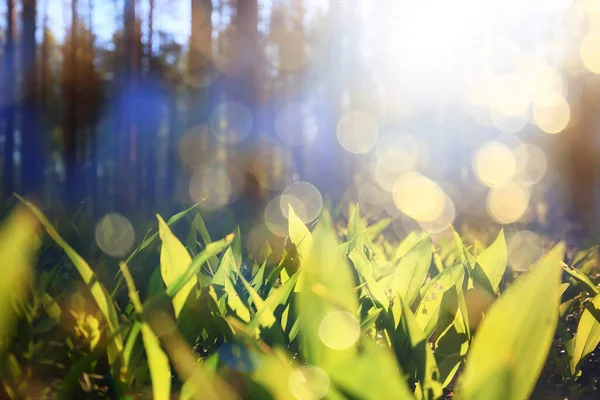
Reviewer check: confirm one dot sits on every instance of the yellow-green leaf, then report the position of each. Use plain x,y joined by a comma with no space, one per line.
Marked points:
264,314
509,349
412,270
581,277
235,302
103,300
493,260
299,234
429,308
211,250
327,300
588,333
18,246
365,269
174,261
158,363
373,375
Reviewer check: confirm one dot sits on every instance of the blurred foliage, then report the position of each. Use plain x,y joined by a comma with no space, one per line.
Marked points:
343,313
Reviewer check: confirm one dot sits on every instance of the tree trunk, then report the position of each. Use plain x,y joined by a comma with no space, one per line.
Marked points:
8,112
92,175
247,82
127,185
199,62
71,105
30,154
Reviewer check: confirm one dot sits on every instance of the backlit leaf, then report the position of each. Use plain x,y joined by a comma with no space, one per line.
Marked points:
493,260
588,333
174,261
512,343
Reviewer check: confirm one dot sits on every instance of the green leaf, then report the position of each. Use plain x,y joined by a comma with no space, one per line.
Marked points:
588,333
235,302
374,374
130,342
199,226
236,248
493,260
158,363
301,238
428,311
174,261
406,244
356,231
18,247
151,239
328,291
453,341
370,319
411,345
299,234
412,270
276,298
374,230
275,372
212,249
258,279
581,277
509,349
103,300
227,268
264,314
464,254
365,269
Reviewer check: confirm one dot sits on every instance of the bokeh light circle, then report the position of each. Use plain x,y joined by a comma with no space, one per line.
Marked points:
588,51
273,166
443,220
230,122
418,197
508,95
305,198
397,152
115,235
552,113
339,330
524,249
508,123
384,177
370,199
357,132
494,164
216,185
275,220
531,164
507,204
195,147
309,382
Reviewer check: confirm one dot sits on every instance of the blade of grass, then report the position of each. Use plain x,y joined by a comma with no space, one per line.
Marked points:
158,362
103,300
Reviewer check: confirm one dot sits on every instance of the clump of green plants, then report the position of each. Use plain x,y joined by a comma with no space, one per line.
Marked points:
344,313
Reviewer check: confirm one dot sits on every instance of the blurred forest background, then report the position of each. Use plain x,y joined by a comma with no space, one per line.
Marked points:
429,113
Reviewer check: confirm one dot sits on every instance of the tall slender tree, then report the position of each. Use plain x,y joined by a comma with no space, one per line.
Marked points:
150,101
199,61
70,91
93,110
31,141
8,93
127,154
249,59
